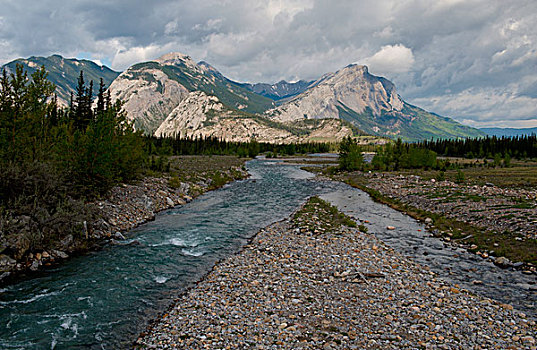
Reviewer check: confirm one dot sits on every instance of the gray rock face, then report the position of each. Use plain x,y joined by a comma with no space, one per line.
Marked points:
202,115
149,95
350,88
152,91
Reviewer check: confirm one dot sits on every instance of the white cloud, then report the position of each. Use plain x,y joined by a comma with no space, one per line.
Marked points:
127,57
465,52
484,107
391,59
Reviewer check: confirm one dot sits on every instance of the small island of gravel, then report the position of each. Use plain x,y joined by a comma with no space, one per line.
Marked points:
294,287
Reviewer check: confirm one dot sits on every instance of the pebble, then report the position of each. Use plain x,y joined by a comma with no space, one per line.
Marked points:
490,207
334,290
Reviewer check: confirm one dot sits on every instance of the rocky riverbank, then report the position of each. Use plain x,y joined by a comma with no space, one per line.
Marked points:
337,288
125,207
499,224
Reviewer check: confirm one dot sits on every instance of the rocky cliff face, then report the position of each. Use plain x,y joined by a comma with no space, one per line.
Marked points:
352,87
202,115
174,96
152,90
149,95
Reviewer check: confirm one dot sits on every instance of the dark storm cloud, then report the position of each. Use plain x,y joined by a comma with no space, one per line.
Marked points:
472,60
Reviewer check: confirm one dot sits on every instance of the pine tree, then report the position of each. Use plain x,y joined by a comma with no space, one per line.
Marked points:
79,103
100,99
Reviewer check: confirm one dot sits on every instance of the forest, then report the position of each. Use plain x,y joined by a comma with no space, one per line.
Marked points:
519,147
53,160
214,146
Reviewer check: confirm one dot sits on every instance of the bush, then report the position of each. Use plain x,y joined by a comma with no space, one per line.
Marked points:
459,177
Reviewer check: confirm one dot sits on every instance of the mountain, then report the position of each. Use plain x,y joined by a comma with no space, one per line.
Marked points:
370,103
499,132
151,90
203,115
64,72
174,96
279,91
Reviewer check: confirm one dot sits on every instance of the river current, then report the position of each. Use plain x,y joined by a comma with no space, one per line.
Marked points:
104,299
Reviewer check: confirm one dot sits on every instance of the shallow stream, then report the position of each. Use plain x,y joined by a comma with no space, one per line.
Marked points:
104,299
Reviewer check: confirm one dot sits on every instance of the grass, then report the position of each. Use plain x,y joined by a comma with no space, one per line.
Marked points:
319,216
523,174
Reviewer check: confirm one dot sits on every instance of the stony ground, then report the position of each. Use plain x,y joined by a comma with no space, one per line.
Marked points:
339,289
496,223
487,206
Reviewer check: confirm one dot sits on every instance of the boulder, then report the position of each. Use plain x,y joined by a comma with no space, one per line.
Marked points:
59,254
35,265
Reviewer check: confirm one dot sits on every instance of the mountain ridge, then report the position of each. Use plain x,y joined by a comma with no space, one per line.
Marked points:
64,72
509,132
369,102
351,98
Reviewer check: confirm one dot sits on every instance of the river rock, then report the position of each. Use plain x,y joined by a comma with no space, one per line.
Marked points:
34,266
6,263
59,254
503,262
170,202
119,235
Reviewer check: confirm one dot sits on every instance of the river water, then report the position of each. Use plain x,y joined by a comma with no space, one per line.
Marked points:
102,300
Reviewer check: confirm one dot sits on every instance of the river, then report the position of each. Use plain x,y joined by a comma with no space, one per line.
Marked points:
102,300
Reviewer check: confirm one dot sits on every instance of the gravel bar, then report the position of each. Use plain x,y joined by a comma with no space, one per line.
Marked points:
344,289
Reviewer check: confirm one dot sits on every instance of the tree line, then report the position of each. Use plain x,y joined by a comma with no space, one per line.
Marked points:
392,156
211,145
519,147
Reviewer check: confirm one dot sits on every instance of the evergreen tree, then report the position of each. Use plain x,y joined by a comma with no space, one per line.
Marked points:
350,155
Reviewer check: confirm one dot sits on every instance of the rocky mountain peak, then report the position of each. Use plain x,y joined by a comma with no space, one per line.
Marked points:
176,58
350,88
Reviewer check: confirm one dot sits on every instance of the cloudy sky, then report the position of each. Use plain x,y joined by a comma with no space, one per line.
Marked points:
472,60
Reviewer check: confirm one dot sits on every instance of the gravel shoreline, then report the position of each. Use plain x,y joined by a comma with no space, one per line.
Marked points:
342,289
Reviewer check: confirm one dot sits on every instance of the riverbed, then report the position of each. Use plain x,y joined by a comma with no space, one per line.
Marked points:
104,299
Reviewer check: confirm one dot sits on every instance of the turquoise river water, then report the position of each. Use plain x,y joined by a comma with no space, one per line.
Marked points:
104,299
